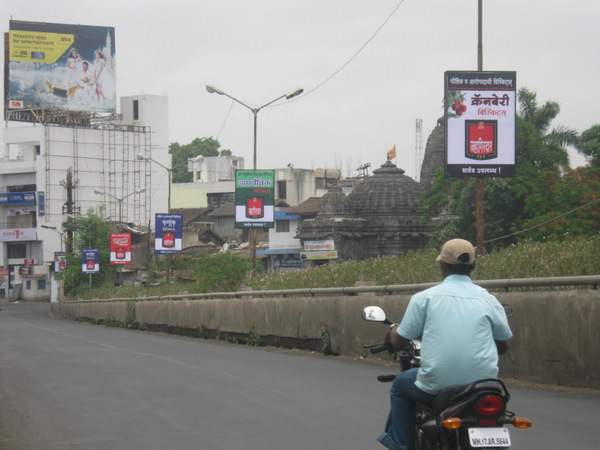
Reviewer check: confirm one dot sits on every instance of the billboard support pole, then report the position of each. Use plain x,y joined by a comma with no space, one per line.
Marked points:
255,111
480,192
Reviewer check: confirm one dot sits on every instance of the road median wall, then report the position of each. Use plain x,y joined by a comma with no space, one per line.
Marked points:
556,333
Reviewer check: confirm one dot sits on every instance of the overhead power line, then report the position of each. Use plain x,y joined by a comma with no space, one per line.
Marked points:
545,222
343,66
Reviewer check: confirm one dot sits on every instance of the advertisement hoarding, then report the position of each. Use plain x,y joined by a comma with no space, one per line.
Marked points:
254,198
480,123
60,261
90,260
61,67
120,248
169,236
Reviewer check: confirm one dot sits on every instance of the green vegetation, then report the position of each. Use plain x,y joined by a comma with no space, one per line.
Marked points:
224,272
568,256
326,339
253,339
90,231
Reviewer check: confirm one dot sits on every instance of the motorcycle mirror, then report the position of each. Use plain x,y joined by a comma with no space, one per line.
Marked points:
508,309
374,314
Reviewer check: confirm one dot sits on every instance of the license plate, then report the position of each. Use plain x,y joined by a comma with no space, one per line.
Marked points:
489,437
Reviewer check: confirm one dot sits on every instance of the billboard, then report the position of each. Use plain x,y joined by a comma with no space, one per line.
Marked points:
169,235
480,123
61,67
254,198
120,248
60,261
90,261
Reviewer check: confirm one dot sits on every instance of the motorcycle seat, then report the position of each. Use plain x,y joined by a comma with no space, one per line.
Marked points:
455,394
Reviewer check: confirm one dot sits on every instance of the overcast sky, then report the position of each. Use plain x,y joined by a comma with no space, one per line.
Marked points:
364,88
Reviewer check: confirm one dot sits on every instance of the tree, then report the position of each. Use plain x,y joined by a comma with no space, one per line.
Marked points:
90,231
198,147
554,141
563,204
589,145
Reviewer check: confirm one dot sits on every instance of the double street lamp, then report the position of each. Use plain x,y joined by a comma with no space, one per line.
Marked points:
168,169
120,200
291,94
288,95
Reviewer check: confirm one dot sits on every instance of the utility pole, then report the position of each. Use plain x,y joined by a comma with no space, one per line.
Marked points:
480,194
69,207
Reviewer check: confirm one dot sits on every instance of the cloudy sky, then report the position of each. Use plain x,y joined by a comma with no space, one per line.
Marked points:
369,68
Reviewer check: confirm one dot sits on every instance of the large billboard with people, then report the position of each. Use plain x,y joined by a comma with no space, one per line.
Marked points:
61,67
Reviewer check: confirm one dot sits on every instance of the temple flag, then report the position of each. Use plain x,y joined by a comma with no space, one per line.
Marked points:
391,153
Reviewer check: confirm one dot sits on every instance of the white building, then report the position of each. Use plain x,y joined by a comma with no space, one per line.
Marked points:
49,171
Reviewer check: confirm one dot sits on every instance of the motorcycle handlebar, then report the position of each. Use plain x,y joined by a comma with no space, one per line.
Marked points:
378,348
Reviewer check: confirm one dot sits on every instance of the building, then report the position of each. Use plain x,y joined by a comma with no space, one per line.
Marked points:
61,164
380,217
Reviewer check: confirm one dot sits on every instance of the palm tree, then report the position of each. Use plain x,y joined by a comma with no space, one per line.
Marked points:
589,145
540,117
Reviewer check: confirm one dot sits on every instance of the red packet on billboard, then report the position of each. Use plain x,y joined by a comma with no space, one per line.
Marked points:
168,240
255,207
481,137
120,252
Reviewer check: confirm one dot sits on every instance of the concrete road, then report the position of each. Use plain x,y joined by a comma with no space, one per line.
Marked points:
69,385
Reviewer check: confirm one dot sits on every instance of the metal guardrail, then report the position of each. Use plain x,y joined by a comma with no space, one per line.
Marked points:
506,284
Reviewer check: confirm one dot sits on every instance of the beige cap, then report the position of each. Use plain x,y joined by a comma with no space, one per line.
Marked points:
453,249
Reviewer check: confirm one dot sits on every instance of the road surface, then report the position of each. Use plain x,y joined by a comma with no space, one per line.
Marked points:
70,385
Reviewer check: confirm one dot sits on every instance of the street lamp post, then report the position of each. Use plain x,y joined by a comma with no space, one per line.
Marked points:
120,200
168,169
48,227
288,95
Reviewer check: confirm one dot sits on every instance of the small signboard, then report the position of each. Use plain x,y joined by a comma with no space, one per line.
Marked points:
254,198
90,260
169,234
60,261
120,248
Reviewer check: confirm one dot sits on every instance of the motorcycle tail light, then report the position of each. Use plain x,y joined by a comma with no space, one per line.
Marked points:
489,405
521,422
452,423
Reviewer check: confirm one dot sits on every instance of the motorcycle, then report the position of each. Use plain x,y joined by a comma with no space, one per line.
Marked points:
469,416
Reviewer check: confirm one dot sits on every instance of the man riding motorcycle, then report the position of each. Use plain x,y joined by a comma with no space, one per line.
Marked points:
463,329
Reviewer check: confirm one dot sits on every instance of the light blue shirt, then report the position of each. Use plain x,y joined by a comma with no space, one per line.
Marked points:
458,322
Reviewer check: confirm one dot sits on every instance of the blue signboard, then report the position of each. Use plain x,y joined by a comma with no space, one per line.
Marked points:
90,260
17,198
168,235
42,203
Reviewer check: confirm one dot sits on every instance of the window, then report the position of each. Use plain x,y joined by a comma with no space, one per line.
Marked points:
282,188
17,251
22,188
282,226
41,285
28,284
136,110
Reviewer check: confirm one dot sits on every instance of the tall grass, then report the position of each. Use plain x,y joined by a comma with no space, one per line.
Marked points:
226,272
569,257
